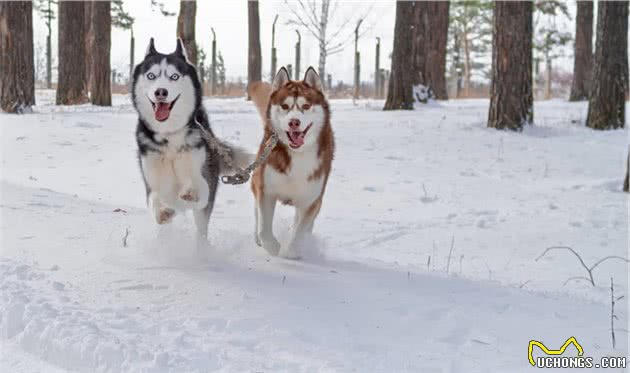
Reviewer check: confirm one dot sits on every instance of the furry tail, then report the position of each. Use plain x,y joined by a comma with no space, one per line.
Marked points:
236,158
259,93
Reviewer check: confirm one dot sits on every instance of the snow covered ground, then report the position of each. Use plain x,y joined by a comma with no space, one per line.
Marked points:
376,293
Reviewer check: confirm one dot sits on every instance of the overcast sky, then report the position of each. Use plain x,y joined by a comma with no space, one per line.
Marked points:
229,19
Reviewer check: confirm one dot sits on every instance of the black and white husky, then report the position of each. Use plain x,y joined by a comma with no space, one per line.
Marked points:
180,169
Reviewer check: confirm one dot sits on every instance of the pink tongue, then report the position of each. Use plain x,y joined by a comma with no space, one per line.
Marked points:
297,138
162,110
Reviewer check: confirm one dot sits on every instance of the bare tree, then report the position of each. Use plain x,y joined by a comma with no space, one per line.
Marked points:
254,60
606,106
399,94
511,96
186,28
17,70
429,46
101,93
72,86
583,55
317,18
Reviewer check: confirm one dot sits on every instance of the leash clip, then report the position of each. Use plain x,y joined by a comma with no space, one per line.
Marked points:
239,178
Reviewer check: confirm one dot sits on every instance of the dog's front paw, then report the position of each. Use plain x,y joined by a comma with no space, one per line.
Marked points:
270,244
189,195
164,215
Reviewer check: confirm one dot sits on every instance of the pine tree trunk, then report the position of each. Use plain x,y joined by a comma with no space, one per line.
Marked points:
101,72
583,60
626,183
467,64
548,71
132,46
89,43
186,28
606,106
399,93
511,98
456,59
430,31
72,86
48,61
17,67
419,45
436,57
254,61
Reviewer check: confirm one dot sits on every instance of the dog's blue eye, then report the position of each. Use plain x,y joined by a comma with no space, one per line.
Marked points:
174,77
150,76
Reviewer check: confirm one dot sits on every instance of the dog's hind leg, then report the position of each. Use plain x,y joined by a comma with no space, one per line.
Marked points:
202,216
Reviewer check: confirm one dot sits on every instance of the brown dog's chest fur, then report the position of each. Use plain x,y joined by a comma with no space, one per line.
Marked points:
280,158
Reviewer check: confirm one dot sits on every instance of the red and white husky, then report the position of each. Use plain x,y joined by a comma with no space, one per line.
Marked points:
296,171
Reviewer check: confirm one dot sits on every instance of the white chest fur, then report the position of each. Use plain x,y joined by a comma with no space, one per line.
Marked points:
294,185
175,171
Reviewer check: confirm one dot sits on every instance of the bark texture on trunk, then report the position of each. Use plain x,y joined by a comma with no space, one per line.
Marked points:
101,93
17,67
254,60
511,97
606,106
583,60
419,44
72,85
399,94
186,28
89,43
429,45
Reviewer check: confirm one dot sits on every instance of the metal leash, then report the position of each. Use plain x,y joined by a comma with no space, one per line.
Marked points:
242,175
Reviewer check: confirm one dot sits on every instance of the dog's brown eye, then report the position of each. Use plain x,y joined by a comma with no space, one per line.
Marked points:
284,107
306,107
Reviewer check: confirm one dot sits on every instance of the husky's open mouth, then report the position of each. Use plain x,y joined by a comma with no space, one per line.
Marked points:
296,138
162,109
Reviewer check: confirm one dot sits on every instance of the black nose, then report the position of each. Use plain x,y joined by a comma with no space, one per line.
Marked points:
161,93
294,124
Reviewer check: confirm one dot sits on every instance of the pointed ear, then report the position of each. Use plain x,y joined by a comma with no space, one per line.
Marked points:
311,78
282,77
150,49
180,50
